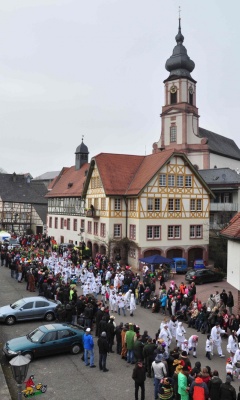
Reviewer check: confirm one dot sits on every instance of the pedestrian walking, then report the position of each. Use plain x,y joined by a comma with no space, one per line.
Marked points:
139,377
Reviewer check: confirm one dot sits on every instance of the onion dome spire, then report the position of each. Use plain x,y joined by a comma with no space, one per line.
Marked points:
179,64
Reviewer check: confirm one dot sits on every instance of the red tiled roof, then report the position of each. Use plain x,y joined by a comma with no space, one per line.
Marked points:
123,174
69,183
233,229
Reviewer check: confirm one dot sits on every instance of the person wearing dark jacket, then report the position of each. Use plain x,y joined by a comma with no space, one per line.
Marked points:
224,297
138,349
230,302
98,317
102,325
214,386
227,391
103,347
110,333
139,376
118,332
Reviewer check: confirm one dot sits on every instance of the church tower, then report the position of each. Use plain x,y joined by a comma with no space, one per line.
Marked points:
180,129
81,157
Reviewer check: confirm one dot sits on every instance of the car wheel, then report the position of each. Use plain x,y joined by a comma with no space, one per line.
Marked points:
49,317
76,348
10,320
28,355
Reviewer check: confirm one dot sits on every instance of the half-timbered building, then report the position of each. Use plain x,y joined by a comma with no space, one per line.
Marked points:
143,205
23,207
66,208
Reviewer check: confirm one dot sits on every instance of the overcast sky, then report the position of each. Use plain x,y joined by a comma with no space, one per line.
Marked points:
96,68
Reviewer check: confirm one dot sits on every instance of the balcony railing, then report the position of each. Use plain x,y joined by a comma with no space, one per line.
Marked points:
93,213
223,207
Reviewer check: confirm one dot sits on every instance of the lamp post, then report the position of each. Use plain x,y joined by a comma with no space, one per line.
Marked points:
19,366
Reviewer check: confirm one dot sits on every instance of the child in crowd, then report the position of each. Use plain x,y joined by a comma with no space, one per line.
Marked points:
209,347
229,368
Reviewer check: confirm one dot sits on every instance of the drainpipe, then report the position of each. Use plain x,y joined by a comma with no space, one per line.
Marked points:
126,223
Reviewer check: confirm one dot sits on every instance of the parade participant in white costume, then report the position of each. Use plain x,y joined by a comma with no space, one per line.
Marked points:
132,304
103,293
113,300
163,323
232,345
216,337
165,334
236,362
180,334
121,304
192,344
127,298
184,346
172,325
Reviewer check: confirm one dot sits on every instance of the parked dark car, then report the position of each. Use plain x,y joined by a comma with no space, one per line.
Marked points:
200,276
28,308
46,340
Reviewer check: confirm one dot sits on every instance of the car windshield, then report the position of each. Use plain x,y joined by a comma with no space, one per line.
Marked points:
35,336
18,304
192,273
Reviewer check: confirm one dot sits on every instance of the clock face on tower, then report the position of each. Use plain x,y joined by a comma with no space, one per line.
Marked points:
191,90
173,89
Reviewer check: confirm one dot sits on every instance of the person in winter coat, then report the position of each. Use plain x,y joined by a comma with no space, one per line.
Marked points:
230,302
183,388
118,332
224,297
103,347
159,371
148,355
130,338
166,390
139,377
214,386
227,391
88,346
138,349
111,332
198,389
124,347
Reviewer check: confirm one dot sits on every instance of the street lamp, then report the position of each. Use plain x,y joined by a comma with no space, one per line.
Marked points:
19,366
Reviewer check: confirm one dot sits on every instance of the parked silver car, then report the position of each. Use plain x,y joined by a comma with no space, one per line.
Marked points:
29,308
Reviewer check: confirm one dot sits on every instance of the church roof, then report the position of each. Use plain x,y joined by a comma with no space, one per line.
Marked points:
179,64
232,231
69,182
220,144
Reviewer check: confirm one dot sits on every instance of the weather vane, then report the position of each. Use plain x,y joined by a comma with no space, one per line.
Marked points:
179,11
82,137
